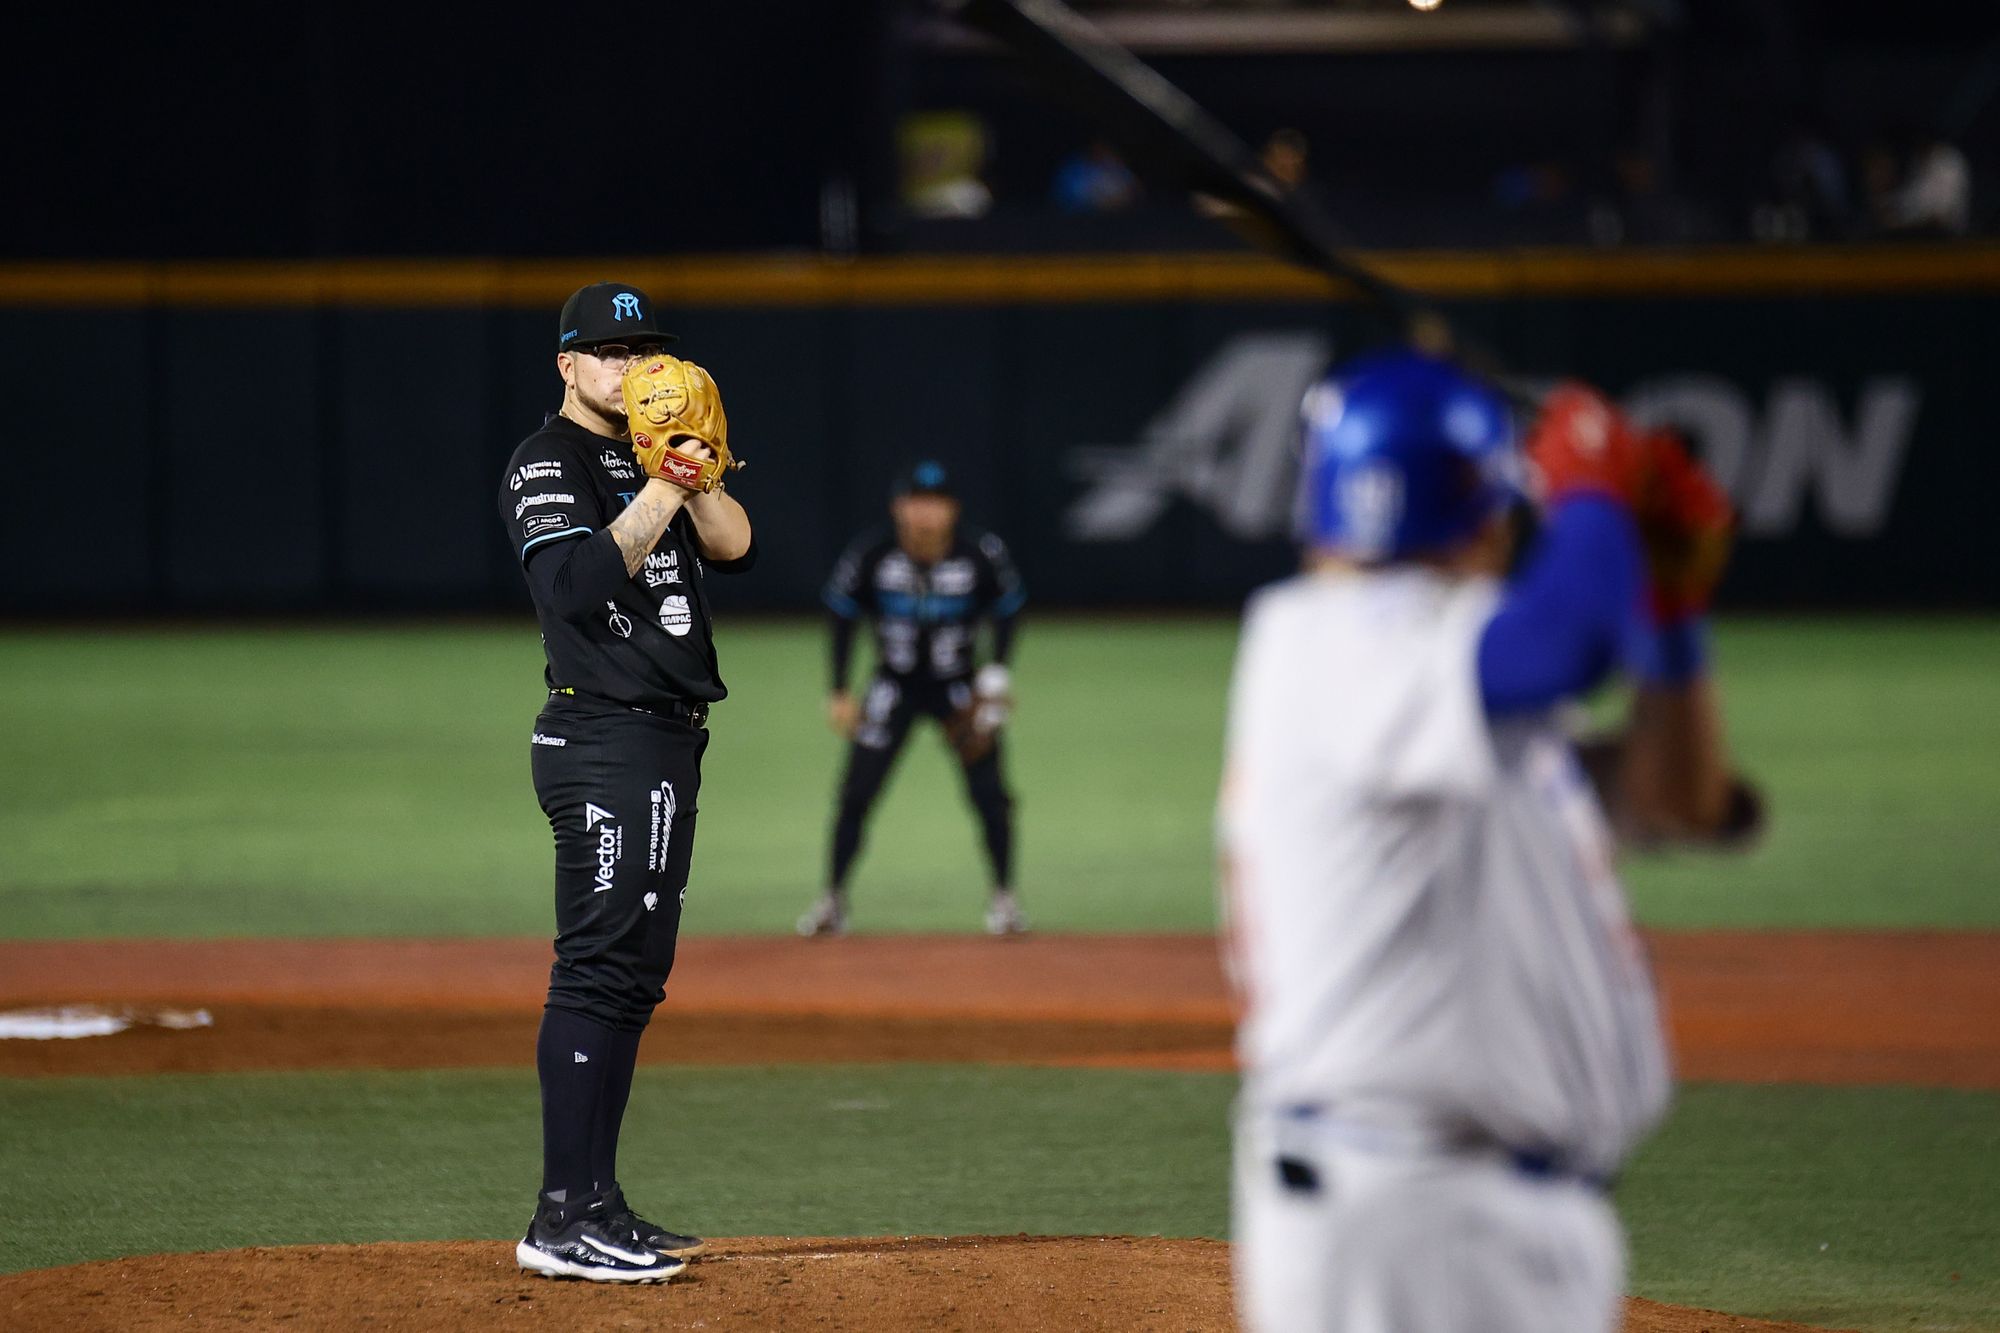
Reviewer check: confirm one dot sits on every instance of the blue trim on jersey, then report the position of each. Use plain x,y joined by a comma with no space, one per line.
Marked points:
1669,655
925,610
555,537
841,604
1011,603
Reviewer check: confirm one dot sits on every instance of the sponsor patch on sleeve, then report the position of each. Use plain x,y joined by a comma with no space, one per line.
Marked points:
541,498
528,472
541,523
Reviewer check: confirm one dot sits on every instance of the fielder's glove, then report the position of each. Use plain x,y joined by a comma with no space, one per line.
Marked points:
668,402
973,729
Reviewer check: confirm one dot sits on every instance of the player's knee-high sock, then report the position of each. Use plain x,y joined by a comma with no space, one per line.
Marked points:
620,1061
866,769
847,824
996,815
571,1055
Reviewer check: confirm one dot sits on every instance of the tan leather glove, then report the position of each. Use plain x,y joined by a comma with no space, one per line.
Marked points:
669,402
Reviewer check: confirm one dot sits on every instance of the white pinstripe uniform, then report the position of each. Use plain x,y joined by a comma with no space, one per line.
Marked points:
1450,1032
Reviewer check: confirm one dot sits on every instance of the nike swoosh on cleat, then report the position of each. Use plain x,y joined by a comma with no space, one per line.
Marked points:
645,1259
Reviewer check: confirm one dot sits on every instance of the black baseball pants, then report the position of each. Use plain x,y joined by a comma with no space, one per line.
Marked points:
888,711
619,787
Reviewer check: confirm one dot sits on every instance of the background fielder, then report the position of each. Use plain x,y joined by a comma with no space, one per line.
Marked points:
1451,1039
925,586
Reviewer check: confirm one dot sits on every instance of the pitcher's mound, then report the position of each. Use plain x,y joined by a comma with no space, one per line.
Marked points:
879,1284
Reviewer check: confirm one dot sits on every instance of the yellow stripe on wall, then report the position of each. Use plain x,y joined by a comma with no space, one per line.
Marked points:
999,280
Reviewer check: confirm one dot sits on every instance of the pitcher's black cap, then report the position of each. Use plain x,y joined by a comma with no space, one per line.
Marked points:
608,312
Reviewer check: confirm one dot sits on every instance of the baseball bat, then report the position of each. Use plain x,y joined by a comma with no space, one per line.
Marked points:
1169,138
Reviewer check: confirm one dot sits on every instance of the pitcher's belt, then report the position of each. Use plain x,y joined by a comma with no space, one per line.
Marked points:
688,714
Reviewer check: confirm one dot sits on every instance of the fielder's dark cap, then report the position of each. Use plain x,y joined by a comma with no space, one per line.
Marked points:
926,478
608,312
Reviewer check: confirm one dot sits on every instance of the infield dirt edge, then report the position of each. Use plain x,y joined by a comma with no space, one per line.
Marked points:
880,1283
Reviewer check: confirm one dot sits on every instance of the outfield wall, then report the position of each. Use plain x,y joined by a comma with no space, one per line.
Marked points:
313,437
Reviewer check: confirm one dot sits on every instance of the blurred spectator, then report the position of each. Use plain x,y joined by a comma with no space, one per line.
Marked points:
1095,180
1928,190
1881,174
1533,187
1285,157
1539,203
1807,198
1644,211
942,155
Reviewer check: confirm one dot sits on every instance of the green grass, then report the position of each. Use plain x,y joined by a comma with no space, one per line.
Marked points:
374,781
193,1162
1728,1207
1874,1208
1878,745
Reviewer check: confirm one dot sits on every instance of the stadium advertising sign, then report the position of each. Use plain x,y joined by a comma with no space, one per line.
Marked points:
1227,443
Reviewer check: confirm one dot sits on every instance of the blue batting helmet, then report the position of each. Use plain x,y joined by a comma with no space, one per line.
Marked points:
1403,453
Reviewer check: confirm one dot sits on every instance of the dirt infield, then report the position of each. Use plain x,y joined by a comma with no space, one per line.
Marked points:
863,1284
1917,1008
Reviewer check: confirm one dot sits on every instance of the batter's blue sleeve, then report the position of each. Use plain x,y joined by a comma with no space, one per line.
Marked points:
1670,655
1564,617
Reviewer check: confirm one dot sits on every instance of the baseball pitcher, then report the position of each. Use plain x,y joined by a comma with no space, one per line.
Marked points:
617,509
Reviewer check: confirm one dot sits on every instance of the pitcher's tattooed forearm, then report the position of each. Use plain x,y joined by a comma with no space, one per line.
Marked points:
638,529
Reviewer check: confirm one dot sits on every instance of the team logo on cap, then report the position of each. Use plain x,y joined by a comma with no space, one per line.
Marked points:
623,304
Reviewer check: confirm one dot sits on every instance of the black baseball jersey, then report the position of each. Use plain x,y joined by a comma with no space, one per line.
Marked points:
925,616
649,645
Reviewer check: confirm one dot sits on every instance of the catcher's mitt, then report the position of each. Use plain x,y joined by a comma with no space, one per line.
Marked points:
668,401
